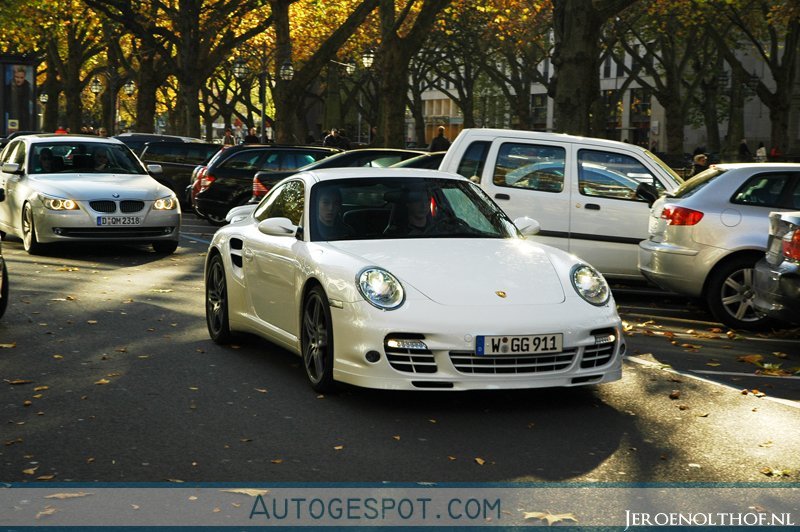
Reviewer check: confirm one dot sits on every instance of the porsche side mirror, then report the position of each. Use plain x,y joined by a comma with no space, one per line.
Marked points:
277,227
527,226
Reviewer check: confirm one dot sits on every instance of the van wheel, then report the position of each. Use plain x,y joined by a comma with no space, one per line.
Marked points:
730,295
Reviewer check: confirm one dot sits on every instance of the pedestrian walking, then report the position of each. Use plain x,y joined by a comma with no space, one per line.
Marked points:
761,153
228,139
439,142
745,155
251,137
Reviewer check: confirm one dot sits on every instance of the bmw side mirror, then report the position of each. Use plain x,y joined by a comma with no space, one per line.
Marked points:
11,168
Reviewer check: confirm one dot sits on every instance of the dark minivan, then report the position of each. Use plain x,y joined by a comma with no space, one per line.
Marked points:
178,160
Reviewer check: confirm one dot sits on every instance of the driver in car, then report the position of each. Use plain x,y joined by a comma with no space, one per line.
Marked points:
329,208
419,212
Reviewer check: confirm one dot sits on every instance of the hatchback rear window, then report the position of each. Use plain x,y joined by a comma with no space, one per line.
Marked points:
690,186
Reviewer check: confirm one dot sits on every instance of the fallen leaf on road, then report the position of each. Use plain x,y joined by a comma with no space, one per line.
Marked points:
338,447
91,322
162,290
549,518
480,461
18,381
277,461
8,346
712,364
767,443
73,495
41,388
47,511
396,438
102,381
247,491
30,471
675,394
261,390
770,472
46,477
750,359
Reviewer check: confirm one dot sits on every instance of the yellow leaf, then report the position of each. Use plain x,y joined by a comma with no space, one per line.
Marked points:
750,359
8,346
102,381
73,495
712,364
277,461
40,388
339,447
549,518
480,461
91,322
247,491
451,458
46,477
261,390
19,381
30,471
47,511
396,438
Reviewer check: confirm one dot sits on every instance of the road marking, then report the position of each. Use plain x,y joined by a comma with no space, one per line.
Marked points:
663,367
737,374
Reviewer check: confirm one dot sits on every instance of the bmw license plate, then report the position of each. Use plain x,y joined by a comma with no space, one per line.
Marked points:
519,345
104,221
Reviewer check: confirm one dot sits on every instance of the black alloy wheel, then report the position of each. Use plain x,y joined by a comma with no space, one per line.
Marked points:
217,302
317,340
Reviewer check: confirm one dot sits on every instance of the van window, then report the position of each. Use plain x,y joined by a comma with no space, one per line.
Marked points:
530,166
612,175
471,165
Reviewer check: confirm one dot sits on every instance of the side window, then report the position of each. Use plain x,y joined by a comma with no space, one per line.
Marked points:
471,165
286,201
18,154
244,160
763,190
619,163
610,175
530,166
9,153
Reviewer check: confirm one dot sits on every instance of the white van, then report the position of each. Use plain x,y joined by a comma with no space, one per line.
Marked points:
591,196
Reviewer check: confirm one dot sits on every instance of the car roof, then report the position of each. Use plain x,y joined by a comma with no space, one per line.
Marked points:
50,137
328,174
512,134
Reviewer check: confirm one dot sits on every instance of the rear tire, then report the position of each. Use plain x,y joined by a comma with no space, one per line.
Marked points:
730,295
219,328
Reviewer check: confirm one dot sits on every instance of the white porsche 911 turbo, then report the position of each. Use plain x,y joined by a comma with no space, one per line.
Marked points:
408,279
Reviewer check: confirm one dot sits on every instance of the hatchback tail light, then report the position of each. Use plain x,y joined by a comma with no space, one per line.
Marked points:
205,180
791,245
675,215
259,188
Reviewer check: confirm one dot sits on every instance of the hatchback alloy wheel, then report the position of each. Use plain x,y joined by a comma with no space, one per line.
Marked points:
731,294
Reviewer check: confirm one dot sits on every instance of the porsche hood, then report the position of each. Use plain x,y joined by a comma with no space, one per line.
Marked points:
467,272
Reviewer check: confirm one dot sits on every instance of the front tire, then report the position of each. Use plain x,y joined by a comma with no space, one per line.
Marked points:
317,340
29,241
730,295
215,219
219,328
3,288
165,247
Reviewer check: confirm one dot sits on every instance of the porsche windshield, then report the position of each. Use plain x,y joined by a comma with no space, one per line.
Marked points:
401,207
83,157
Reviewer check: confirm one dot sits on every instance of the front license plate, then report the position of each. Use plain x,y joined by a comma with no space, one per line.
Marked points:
519,345
104,221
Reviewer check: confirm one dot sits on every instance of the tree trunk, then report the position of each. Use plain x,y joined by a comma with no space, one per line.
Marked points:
575,85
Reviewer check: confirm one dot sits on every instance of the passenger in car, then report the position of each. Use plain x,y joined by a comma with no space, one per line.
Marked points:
329,215
101,161
46,161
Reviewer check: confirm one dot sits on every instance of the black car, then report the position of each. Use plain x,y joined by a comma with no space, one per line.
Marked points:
776,278
227,180
374,157
430,161
137,141
178,160
12,136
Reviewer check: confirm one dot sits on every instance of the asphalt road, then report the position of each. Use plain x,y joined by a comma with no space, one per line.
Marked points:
107,374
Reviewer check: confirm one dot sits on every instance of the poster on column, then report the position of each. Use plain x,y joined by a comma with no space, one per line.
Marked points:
18,98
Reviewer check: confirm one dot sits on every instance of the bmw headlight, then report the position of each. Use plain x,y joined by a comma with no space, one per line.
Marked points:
58,204
589,284
380,288
166,204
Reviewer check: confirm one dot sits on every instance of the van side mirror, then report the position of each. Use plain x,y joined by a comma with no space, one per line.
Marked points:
647,192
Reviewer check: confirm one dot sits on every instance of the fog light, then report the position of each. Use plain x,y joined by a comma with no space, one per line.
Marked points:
57,230
372,356
402,343
604,339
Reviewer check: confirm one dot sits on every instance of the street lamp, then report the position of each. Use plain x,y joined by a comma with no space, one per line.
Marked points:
240,69
286,72
95,86
43,97
129,87
368,58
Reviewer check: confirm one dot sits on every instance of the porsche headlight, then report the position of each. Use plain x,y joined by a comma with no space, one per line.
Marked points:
380,288
166,204
58,204
590,285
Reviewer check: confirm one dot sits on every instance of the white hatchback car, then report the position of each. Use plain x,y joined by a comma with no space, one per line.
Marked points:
707,236
73,188
408,279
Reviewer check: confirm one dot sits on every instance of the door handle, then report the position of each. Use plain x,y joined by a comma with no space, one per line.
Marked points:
592,206
502,196
248,254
